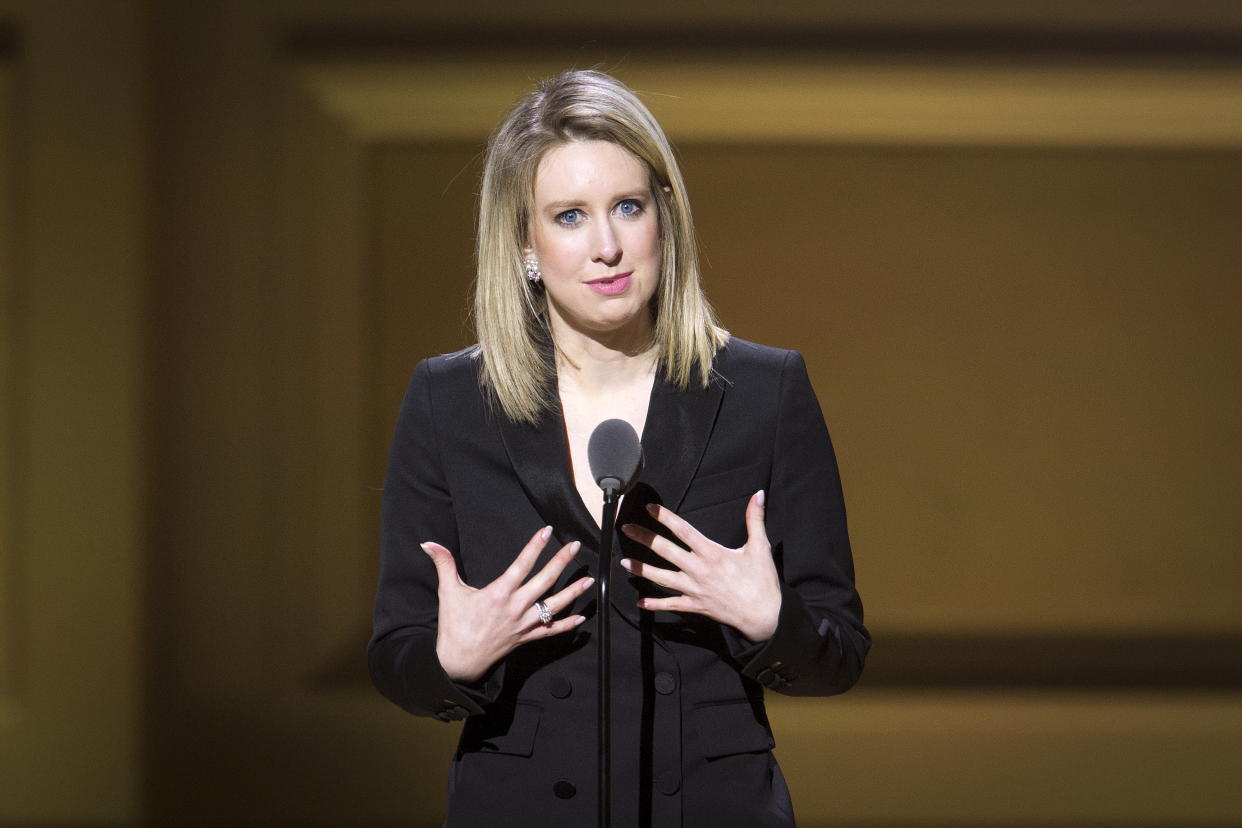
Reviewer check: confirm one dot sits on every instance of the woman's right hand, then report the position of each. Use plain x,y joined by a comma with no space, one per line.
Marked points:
478,627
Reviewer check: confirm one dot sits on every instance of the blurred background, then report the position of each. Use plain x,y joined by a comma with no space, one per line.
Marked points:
1005,236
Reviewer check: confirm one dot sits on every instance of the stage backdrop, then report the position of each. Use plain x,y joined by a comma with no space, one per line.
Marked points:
1005,238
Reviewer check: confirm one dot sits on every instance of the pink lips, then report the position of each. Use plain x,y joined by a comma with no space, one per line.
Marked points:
611,285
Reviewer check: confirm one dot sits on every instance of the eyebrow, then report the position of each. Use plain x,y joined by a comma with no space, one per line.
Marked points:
571,204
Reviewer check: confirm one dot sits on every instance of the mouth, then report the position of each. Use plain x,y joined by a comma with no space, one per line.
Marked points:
611,285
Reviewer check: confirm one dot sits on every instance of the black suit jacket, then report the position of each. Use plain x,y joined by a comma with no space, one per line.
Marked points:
691,742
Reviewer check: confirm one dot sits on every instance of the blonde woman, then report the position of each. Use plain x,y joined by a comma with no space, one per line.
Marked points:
737,573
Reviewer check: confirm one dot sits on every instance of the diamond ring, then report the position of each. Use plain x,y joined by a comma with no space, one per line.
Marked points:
545,614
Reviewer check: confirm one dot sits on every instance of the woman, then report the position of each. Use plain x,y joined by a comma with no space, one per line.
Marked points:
737,568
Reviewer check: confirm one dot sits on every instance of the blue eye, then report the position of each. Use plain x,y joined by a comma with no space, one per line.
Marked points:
570,218
630,207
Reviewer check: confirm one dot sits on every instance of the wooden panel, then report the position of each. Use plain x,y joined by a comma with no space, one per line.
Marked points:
321,328
822,99
1029,358
71,253
9,392
1012,759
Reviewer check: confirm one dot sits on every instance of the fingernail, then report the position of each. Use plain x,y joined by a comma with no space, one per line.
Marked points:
574,547
653,509
586,584
625,563
578,619
760,497
642,603
627,528
427,549
545,533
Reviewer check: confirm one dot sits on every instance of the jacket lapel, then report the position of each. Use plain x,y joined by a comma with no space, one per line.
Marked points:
679,425
540,459
678,428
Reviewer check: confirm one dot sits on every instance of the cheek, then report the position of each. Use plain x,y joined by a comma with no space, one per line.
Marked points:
645,240
559,254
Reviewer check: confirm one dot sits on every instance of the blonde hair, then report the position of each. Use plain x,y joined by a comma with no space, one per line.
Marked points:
510,313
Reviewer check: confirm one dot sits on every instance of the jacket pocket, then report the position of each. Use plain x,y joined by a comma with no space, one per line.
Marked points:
720,487
506,730
729,727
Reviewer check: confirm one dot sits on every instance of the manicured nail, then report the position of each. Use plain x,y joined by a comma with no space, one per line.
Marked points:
642,603
578,619
653,509
545,533
760,497
574,547
626,563
586,584
426,548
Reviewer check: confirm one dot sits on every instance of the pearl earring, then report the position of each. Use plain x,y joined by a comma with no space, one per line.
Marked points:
533,273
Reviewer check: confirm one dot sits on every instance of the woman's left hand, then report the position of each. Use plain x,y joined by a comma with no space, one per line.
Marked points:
738,587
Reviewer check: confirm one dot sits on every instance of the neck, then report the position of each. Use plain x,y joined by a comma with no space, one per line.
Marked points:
598,360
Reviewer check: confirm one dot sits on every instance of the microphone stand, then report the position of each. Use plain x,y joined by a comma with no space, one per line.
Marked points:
616,456
611,499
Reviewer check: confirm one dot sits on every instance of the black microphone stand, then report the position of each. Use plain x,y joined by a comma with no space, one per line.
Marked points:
611,499
616,456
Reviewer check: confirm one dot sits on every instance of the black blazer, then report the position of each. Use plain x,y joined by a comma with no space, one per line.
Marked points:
691,742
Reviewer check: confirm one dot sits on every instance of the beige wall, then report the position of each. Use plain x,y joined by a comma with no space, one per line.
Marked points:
71,450
229,229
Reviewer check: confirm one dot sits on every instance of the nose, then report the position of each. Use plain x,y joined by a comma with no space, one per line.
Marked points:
607,244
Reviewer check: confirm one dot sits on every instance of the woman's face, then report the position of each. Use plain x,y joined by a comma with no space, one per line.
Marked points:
596,233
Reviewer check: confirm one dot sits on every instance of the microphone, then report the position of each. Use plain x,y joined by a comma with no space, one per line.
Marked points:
616,458
615,455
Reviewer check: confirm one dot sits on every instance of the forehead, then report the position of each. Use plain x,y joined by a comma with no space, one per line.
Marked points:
583,168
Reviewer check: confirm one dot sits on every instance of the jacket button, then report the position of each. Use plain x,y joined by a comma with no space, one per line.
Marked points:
665,683
564,789
668,782
560,687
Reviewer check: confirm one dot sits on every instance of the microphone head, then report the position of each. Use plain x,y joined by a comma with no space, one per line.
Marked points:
615,455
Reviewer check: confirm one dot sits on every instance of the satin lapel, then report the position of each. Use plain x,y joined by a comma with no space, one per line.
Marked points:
539,456
679,425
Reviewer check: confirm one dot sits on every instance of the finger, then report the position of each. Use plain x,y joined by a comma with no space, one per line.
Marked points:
561,600
555,604
677,603
664,577
543,580
756,515
445,564
521,566
555,628
660,545
686,533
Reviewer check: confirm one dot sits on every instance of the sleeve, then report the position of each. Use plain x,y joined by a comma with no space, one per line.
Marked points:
417,507
820,642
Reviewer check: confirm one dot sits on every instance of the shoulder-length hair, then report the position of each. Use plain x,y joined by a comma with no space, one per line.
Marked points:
511,313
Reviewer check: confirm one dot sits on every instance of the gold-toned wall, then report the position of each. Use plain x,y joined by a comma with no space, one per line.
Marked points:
72,256
1005,238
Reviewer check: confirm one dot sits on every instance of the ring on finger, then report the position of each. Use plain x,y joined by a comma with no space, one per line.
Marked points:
545,614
